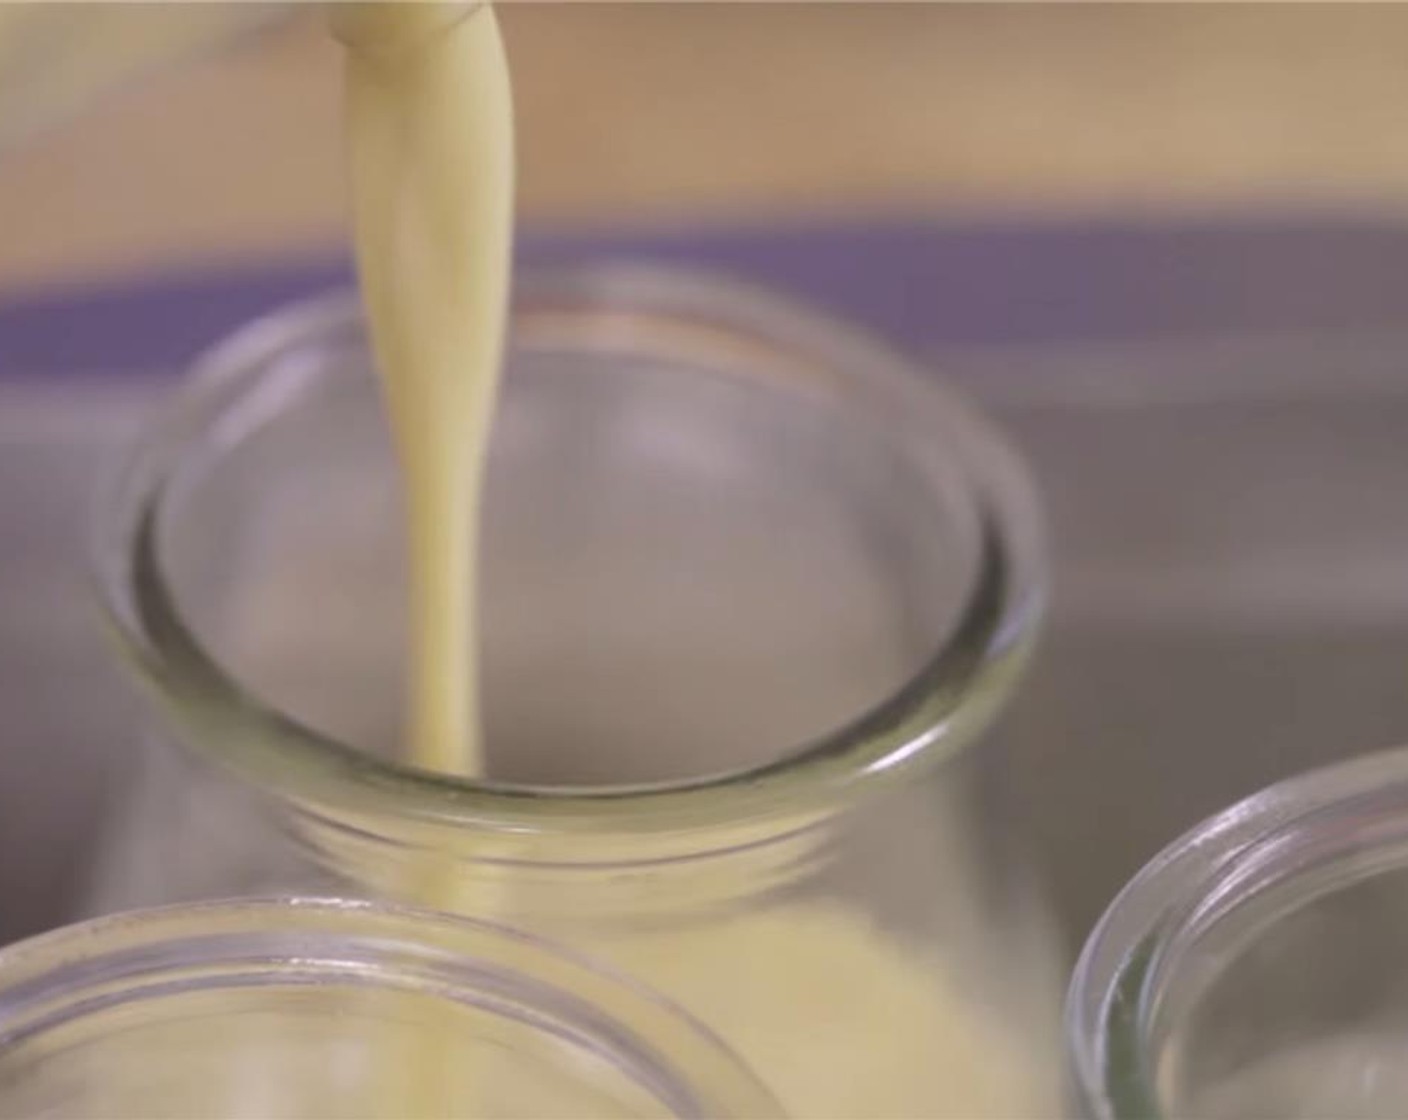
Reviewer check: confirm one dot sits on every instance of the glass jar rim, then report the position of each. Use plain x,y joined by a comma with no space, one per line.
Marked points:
1302,837
49,980
932,715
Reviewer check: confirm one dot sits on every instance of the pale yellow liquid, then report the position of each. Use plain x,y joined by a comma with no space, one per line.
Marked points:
430,130
837,1017
430,136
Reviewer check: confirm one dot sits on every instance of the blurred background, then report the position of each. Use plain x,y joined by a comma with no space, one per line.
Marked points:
1162,243
659,112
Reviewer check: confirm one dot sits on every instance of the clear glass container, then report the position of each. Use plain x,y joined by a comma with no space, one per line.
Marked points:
1256,967
303,1008
751,587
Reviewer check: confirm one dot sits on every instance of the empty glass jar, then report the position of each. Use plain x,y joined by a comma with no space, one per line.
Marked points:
306,1008
1256,967
751,587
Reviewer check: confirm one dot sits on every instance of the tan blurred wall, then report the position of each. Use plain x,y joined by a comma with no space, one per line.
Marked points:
646,111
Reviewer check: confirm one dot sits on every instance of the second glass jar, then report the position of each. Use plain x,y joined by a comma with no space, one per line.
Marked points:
299,1008
751,586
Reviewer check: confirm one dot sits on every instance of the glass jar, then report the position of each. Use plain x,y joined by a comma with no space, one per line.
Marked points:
320,1008
751,585
1256,968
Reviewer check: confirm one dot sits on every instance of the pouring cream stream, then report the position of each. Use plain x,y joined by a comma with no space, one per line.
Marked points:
430,132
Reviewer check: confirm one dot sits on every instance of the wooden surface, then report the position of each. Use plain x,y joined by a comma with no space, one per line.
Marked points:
654,111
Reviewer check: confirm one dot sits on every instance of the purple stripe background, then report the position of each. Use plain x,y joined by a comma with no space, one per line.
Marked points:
924,285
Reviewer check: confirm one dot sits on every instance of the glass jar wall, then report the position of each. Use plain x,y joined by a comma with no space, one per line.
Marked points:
1255,968
302,1008
751,587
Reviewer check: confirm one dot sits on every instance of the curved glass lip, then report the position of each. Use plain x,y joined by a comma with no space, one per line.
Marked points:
1304,837
55,977
939,710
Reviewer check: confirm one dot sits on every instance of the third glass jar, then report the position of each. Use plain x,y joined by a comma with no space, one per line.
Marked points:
1255,967
752,586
